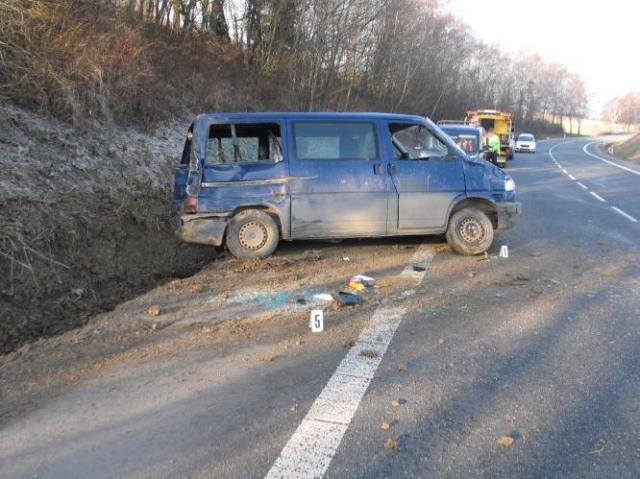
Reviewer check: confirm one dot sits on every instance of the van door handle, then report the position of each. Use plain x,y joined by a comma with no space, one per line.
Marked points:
391,169
377,168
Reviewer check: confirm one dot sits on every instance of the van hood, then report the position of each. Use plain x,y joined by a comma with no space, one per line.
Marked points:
480,175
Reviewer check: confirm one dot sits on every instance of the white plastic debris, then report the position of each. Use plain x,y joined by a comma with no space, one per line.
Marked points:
323,297
504,251
361,278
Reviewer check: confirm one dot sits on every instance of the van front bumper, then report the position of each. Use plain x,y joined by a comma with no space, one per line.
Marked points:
202,229
508,214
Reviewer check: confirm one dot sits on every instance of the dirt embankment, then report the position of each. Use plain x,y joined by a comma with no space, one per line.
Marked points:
84,221
629,149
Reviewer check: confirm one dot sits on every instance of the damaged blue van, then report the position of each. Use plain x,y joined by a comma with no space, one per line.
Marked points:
249,180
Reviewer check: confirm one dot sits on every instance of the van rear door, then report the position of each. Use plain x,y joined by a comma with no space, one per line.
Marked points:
181,172
244,166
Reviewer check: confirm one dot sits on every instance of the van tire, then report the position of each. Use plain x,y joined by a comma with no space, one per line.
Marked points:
470,232
252,234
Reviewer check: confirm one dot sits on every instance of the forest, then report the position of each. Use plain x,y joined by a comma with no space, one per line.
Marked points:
140,62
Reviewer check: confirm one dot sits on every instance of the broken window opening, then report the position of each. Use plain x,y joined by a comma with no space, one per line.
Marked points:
244,143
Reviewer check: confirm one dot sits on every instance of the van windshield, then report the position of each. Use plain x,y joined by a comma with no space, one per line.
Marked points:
467,143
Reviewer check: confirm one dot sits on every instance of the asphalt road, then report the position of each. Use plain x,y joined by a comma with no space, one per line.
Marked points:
542,347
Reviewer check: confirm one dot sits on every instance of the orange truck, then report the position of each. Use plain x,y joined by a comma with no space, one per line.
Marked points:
500,123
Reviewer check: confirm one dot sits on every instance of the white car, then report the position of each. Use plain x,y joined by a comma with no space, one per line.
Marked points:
526,142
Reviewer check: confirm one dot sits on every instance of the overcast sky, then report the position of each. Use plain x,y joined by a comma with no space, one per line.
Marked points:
598,40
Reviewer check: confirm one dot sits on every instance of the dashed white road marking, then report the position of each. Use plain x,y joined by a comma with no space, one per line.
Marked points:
613,163
572,177
582,185
597,196
564,171
625,214
314,443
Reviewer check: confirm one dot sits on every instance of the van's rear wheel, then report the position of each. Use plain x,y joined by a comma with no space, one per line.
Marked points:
470,232
252,234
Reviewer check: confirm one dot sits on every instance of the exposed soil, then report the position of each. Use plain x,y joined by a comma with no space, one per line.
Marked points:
260,307
84,222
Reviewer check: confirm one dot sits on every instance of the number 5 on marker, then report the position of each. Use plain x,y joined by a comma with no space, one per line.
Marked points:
316,321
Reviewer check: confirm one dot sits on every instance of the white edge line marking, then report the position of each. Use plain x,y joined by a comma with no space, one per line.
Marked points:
582,185
635,172
597,196
565,171
626,215
422,257
572,177
310,450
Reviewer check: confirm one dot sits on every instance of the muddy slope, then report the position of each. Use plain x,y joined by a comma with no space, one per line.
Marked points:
84,221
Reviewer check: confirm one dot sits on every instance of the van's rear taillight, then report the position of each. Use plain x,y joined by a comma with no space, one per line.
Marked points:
190,204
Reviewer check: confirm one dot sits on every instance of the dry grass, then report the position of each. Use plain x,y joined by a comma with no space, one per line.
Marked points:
80,61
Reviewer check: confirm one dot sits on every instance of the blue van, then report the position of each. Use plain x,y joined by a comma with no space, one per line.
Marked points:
249,180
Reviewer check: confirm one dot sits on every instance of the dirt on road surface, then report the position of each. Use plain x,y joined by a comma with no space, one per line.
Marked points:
525,366
227,304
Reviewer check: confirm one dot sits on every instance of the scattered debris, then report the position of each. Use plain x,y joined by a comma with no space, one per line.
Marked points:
504,251
505,441
535,292
368,281
369,353
346,258
356,285
395,403
599,445
419,267
535,254
385,426
153,310
402,367
349,299
441,341
314,255
390,444
499,295
323,297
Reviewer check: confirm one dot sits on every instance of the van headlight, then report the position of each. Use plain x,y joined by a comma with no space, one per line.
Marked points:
509,184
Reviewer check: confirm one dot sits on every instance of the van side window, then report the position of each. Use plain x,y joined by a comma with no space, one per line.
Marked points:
244,143
324,140
415,142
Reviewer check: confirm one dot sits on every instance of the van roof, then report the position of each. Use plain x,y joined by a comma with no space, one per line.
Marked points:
308,115
459,129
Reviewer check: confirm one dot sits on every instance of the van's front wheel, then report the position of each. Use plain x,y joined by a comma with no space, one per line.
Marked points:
252,234
470,232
